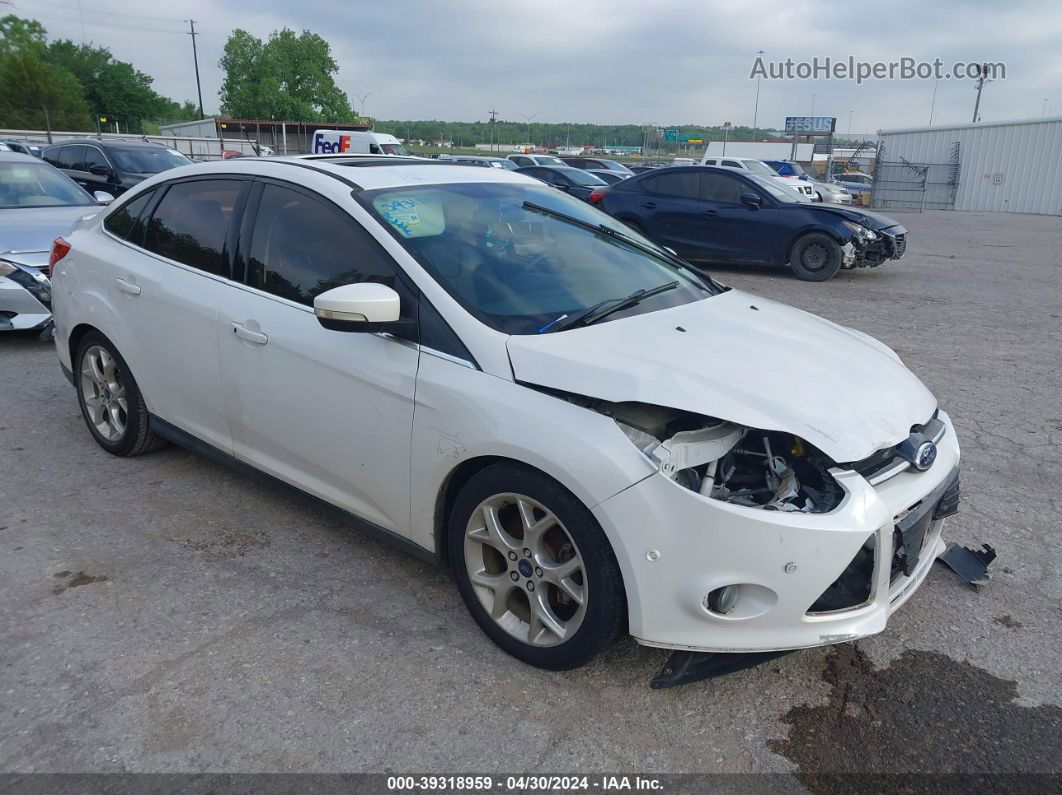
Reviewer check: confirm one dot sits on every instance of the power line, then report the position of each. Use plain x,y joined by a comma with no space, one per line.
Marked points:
103,13
109,25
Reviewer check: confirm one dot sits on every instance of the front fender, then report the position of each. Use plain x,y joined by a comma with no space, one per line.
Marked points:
462,414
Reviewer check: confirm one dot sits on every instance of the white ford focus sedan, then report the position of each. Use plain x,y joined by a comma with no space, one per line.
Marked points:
594,436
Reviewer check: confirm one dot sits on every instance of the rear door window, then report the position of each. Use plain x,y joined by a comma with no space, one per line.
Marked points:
678,185
73,158
191,222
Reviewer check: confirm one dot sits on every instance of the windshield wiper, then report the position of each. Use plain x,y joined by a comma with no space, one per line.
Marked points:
603,309
655,250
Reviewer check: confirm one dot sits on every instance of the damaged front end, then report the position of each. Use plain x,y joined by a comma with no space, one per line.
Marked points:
771,470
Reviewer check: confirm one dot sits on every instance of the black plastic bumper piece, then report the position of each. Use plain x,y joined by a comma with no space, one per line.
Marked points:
970,564
686,667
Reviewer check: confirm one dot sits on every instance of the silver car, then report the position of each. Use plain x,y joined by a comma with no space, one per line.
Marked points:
38,203
830,192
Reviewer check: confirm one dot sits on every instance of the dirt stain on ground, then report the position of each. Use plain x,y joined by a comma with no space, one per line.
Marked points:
76,580
227,545
925,713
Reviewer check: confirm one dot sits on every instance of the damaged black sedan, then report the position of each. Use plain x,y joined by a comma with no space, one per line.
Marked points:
716,215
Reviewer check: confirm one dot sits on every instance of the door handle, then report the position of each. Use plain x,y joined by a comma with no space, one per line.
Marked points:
244,333
127,287
649,206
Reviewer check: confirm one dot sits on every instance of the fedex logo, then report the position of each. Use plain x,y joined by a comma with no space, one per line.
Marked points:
323,146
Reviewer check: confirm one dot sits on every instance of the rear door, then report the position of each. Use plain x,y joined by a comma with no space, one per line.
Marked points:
671,208
166,292
330,412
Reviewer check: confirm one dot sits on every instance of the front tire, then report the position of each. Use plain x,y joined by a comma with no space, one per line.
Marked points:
110,400
816,257
535,568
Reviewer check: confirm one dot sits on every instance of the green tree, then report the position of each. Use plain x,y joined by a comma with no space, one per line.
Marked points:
289,76
38,96
18,35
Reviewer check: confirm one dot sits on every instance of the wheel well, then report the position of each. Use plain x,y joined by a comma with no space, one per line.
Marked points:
444,503
452,486
76,335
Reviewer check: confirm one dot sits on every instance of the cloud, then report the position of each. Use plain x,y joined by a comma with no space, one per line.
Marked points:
670,61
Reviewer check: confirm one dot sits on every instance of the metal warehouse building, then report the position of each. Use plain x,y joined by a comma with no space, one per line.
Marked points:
1003,167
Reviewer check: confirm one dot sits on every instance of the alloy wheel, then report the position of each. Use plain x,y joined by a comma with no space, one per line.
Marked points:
103,393
525,569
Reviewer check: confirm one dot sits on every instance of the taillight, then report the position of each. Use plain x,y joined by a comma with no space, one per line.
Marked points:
596,196
60,248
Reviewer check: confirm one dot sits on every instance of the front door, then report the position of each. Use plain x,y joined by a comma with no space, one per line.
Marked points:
330,412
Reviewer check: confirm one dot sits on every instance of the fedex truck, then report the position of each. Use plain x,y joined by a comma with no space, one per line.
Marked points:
335,142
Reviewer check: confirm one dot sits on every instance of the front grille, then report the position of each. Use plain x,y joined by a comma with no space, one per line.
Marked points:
911,530
899,245
882,464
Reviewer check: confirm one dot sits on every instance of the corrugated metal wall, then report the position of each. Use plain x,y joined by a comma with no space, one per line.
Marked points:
1010,167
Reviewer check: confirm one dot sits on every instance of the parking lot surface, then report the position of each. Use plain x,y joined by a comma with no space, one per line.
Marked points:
165,614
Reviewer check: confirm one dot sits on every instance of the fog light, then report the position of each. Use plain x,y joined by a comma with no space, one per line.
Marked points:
722,600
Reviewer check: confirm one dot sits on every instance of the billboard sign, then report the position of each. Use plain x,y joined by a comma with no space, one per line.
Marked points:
810,125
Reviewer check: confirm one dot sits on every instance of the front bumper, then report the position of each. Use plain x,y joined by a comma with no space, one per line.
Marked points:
675,546
24,303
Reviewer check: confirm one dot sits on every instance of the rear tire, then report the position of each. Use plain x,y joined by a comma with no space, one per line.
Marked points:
535,568
110,399
816,257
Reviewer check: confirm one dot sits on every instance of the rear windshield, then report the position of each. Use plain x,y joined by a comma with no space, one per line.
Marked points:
584,178
149,160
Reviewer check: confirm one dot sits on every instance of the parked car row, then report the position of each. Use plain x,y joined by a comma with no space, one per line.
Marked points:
595,436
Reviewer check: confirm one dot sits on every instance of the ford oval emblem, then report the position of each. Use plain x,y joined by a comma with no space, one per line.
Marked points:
926,455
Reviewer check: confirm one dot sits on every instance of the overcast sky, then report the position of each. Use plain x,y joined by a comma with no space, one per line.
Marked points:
607,61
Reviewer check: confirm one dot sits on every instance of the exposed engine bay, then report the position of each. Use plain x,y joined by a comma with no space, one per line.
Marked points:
759,469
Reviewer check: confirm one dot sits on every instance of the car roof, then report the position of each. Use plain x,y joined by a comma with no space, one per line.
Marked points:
124,143
357,172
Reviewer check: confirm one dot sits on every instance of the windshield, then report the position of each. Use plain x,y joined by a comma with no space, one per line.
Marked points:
34,184
757,167
520,269
778,191
149,160
548,160
394,149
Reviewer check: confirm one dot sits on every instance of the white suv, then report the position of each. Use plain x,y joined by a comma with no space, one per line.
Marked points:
762,169
594,436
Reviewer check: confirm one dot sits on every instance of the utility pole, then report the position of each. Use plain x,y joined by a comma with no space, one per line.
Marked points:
528,118
195,59
756,109
726,133
1043,110
493,121
981,80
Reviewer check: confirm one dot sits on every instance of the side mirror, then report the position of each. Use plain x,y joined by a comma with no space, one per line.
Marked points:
102,196
751,200
366,307
100,170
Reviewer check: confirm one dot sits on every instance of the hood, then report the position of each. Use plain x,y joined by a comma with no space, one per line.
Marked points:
867,218
741,358
25,233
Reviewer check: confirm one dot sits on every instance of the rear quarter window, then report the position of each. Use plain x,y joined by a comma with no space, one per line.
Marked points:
125,221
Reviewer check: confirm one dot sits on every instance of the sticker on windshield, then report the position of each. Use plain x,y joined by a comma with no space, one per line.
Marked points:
411,217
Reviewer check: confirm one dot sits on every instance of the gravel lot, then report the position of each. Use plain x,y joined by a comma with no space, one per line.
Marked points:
164,614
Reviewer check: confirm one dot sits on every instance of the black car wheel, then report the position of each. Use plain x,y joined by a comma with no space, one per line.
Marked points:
816,257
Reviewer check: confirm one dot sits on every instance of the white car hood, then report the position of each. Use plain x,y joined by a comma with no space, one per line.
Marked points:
740,358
